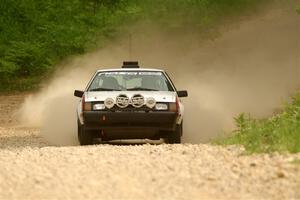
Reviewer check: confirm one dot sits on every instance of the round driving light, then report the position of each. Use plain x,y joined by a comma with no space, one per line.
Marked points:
109,103
150,102
137,101
122,101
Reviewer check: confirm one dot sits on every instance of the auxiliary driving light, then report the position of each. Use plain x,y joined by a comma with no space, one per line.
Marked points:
109,103
150,102
99,107
161,106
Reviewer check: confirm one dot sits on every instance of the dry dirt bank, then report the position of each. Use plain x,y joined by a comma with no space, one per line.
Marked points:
31,169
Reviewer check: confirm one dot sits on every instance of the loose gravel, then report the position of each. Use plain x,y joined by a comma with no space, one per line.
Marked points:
32,169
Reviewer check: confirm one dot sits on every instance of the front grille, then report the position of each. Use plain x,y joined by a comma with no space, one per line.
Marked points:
130,108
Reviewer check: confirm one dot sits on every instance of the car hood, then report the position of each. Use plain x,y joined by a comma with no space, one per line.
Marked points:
159,96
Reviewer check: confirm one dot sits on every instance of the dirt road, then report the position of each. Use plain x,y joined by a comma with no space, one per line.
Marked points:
32,169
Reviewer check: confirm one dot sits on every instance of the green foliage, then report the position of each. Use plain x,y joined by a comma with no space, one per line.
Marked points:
278,133
37,34
296,162
298,9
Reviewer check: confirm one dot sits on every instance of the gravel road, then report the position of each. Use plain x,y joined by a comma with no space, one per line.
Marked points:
32,169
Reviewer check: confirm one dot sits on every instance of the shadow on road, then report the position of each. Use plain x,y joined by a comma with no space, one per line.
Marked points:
130,142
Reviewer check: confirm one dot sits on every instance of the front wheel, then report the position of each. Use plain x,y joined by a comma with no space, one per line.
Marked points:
85,137
174,137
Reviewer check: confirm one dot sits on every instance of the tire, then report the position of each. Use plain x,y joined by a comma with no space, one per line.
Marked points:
174,137
84,137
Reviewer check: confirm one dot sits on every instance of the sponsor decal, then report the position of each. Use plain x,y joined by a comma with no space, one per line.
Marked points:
144,73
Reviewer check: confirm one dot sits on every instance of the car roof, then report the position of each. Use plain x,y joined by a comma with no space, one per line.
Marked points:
130,69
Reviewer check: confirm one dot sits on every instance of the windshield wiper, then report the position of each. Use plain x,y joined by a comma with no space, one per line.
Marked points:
104,89
141,89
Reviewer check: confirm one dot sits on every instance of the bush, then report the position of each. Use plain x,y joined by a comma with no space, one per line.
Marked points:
281,132
37,34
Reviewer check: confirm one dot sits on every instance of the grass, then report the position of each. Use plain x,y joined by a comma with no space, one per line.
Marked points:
280,132
296,162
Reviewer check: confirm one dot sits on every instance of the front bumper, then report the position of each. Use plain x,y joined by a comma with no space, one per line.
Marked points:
105,120
129,125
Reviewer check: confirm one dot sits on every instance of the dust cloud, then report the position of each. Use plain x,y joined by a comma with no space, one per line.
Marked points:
252,68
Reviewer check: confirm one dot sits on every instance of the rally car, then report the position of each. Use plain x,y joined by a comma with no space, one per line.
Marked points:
130,103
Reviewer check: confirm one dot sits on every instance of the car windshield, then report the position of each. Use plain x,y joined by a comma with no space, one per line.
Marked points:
130,81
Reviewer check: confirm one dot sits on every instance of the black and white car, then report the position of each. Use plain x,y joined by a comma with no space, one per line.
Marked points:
130,103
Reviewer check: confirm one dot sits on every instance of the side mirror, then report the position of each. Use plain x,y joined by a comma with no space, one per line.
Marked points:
78,93
182,93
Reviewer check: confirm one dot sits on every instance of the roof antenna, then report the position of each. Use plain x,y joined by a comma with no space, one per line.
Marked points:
130,46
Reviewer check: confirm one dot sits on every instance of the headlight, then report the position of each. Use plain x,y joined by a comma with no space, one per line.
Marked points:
150,102
161,106
98,107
